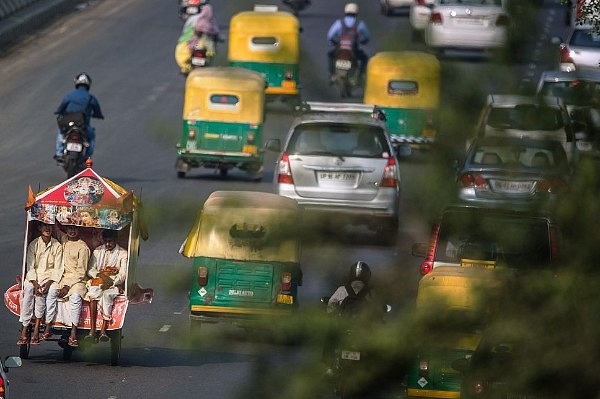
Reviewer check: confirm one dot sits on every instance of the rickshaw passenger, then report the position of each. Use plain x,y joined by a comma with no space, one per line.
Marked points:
44,253
108,271
69,283
349,25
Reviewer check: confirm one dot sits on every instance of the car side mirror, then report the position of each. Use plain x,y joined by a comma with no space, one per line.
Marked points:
273,145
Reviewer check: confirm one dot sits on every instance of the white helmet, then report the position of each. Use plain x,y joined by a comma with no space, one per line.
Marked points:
83,79
351,8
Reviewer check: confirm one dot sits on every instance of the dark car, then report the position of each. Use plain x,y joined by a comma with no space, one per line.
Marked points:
519,172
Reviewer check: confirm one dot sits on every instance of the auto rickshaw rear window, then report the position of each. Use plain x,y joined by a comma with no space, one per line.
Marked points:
266,41
224,99
402,87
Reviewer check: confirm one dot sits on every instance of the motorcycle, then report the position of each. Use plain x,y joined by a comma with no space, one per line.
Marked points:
189,7
297,5
75,143
350,373
346,71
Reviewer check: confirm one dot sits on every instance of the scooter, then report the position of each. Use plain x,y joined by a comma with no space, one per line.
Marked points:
297,5
203,52
189,7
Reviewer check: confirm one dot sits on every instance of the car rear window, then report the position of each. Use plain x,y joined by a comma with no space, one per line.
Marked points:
520,155
577,92
585,38
338,139
526,117
514,241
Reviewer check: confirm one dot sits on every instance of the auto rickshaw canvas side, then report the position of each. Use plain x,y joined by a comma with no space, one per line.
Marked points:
246,257
93,204
223,114
268,41
406,86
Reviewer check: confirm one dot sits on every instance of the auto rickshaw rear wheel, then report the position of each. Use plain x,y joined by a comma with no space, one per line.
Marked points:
180,174
115,346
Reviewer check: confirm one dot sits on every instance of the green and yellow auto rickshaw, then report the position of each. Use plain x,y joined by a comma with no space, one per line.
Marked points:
406,86
246,257
223,114
267,40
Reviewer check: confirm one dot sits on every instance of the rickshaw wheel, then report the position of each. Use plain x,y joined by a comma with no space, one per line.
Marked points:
223,172
67,352
181,175
115,347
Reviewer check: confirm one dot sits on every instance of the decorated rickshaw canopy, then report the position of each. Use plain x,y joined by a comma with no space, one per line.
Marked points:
86,200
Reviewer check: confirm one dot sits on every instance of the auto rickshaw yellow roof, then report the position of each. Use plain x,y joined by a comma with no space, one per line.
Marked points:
230,221
239,79
264,22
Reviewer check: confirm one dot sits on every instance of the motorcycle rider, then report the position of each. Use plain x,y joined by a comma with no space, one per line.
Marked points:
79,100
350,26
206,30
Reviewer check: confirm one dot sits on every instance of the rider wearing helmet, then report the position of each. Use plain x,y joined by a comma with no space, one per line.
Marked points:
79,100
349,25
359,276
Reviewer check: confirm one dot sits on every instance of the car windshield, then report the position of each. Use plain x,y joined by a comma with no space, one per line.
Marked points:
513,241
585,38
576,92
338,139
526,117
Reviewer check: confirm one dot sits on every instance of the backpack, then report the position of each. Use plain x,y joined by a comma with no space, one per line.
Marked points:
348,36
353,304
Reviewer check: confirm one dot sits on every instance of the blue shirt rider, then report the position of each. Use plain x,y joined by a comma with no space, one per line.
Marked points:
334,34
79,99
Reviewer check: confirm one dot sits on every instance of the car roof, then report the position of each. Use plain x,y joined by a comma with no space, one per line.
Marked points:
515,99
364,114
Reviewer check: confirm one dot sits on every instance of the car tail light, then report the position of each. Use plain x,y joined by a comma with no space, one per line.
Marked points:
423,368
565,54
284,174
427,265
286,281
2,390
191,135
472,180
202,276
502,20
389,173
436,18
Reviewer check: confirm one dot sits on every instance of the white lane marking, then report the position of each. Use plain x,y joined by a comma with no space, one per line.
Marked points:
165,328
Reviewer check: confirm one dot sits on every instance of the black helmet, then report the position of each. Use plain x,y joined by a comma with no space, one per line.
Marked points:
83,79
360,271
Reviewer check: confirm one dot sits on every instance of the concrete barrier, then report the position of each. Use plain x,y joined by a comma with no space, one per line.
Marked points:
19,18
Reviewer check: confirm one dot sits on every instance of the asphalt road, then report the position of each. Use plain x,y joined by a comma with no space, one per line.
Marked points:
127,48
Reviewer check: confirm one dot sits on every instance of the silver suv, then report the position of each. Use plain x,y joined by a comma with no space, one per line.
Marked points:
338,164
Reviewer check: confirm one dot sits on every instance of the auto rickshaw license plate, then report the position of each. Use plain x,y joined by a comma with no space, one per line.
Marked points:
77,147
287,299
350,355
478,264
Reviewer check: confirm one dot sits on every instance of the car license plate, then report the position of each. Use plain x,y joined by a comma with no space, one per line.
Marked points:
478,264
286,299
343,64
198,61
77,147
350,355
511,187
337,177
470,21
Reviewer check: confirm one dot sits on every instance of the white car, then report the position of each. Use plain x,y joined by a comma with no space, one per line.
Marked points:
580,51
466,24
389,6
